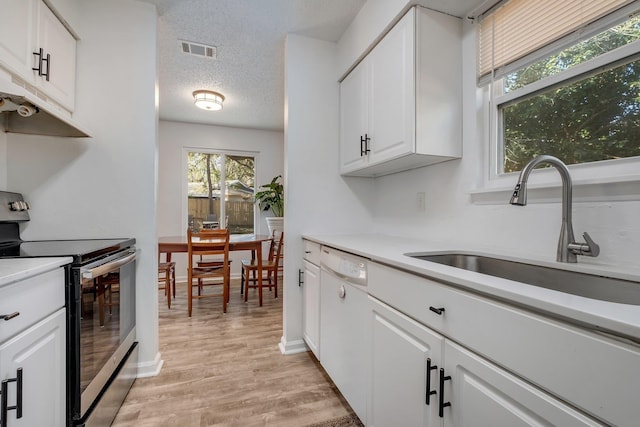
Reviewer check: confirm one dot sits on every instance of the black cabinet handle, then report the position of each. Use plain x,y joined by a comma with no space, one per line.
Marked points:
441,403
4,406
437,311
39,54
429,369
364,145
48,61
7,317
41,59
300,276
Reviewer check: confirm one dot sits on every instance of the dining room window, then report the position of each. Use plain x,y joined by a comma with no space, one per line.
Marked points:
564,80
220,189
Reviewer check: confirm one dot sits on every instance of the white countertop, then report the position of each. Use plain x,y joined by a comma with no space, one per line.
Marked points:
619,319
15,269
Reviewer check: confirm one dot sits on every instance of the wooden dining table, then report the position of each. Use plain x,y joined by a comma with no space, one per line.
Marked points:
237,242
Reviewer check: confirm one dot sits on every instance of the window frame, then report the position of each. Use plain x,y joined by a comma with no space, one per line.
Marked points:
224,152
603,173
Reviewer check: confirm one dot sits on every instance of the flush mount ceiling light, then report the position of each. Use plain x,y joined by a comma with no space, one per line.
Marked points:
208,100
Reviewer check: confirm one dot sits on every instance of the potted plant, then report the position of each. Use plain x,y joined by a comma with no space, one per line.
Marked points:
272,198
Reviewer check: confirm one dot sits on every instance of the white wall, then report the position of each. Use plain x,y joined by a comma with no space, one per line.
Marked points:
174,137
103,186
318,199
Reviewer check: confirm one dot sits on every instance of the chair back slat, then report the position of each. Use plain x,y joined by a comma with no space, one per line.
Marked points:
208,242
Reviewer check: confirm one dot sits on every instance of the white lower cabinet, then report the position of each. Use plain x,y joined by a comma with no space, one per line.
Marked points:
32,346
421,378
311,302
407,350
402,353
38,354
482,394
310,283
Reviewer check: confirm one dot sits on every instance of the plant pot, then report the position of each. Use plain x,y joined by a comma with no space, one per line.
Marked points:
275,223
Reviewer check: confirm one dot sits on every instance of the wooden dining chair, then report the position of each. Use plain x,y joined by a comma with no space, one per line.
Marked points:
211,261
269,268
206,243
167,279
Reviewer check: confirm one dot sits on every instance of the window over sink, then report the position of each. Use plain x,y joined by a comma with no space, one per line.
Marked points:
563,78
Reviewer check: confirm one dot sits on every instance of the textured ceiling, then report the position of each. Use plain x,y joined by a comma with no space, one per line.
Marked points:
249,36
249,69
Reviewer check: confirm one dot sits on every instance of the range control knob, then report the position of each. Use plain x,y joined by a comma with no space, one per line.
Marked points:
19,206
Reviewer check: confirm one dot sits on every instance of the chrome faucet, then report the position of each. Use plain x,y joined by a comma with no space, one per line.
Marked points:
568,249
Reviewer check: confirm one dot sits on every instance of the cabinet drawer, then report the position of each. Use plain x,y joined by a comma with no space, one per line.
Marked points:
591,371
312,252
34,298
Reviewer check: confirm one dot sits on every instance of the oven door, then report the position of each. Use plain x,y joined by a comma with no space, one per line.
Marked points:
102,328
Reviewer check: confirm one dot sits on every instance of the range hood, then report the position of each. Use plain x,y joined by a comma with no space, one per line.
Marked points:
24,112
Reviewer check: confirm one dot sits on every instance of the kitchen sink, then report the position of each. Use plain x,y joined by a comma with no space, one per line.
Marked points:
583,284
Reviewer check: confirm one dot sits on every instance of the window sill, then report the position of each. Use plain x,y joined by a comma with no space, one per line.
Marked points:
615,189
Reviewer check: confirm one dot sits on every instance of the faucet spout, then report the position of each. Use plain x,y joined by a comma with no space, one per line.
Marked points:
567,247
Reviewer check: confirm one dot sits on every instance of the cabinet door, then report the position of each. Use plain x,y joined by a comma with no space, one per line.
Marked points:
40,352
391,93
56,41
353,117
402,350
311,298
16,36
482,394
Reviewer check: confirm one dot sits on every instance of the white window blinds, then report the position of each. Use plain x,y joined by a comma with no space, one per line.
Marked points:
519,27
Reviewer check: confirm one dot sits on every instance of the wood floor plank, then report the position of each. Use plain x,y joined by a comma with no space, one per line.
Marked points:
226,370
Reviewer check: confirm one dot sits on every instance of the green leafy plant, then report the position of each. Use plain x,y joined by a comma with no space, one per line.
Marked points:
272,198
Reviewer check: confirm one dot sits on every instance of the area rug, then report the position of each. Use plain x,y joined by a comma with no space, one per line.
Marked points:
345,421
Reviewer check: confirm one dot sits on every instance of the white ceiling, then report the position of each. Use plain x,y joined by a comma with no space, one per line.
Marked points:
249,69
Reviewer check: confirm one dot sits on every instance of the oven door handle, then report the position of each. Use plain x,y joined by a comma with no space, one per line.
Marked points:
100,270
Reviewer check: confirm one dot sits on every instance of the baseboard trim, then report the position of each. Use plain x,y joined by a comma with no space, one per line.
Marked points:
150,368
292,347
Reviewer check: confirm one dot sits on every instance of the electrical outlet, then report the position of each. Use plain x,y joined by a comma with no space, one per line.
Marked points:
420,201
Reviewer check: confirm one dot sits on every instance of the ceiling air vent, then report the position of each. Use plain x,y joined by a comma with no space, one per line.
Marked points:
199,49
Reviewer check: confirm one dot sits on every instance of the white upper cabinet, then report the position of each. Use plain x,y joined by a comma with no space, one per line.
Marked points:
17,35
400,108
353,119
59,49
38,49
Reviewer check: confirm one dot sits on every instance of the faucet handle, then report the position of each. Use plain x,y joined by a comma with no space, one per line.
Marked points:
593,246
590,248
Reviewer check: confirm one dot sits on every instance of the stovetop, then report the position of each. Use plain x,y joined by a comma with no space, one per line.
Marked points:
82,251
14,210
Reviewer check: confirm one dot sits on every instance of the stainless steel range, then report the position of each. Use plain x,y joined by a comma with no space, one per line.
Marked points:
100,302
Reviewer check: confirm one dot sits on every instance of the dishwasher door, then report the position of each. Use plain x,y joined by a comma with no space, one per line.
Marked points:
344,326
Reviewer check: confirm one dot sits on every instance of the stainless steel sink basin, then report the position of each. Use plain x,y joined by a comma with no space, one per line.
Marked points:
582,284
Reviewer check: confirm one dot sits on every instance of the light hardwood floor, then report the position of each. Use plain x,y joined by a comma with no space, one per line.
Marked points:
226,370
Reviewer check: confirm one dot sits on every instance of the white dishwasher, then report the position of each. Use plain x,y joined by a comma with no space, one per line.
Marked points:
344,325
